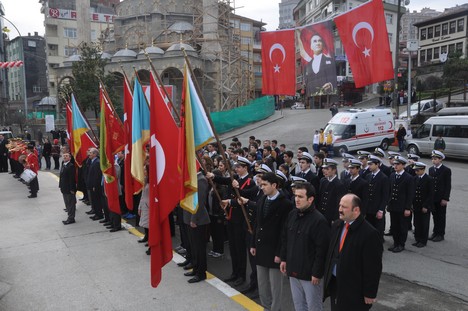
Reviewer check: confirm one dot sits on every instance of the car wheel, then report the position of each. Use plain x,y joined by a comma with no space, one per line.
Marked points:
384,144
413,149
342,149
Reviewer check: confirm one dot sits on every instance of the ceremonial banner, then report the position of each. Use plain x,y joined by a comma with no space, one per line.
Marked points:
363,32
317,50
278,63
131,186
80,126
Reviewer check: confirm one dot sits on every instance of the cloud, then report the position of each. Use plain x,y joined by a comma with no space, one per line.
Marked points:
260,10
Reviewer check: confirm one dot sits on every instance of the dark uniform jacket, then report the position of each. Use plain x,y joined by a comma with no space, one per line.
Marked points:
401,192
329,196
385,169
304,245
311,178
378,193
423,193
359,187
358,265
94,176
364,173
268,228
345,176
442,183
67,182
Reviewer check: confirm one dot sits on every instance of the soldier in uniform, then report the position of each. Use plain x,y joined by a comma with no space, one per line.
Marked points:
399,205
345,175
378,152
363,156
331,190
377,195
305,162
442,186
422,203
391,156
356,184
412,158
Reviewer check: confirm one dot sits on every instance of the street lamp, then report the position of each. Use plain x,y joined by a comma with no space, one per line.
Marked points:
397,54
25,95
411,46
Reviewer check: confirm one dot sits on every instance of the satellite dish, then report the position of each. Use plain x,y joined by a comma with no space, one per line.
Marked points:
407,2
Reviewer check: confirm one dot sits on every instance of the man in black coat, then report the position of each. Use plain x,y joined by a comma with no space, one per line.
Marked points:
3,154
442,176
304,245
272,211
399,205
93,184
422,203
67,185
363,156
305,161
378,152
354,260
377,196
331,190
356,184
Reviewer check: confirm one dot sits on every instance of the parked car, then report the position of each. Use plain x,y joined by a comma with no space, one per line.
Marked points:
6,134
298,105
426,105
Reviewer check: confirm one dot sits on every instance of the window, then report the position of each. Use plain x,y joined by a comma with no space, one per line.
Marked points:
453,28
69,51
93,35
423,131
437,31
36,89
423,34
436,53
235,23
31,43
429,55
389,18
245,27
459,47
446,130
444,29
69,32
246,40
422,56
390,37
443,49
430,32
461,25
451,49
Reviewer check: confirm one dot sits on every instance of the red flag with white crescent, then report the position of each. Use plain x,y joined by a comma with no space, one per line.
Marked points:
278,63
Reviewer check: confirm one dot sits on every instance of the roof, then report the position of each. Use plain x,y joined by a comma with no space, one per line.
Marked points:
448,14
125,53
179,46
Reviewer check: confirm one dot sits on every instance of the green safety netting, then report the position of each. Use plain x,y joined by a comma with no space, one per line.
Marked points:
255,110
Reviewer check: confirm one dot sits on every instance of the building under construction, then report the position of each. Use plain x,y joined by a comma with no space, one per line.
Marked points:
223,48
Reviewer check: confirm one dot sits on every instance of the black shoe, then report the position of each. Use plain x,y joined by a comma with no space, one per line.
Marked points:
32,196
190,273
420,244
103,221
115,229
438,238
91,212
95,217
398,249
432,237
388,233
249,289
231,278
109,227
180,264
391,248
106,223
148,251
415,244
146,244
188,267
195,279
65,210
144,240
67,222
239,282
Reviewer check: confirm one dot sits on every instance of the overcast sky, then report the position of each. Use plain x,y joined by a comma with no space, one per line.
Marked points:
26,15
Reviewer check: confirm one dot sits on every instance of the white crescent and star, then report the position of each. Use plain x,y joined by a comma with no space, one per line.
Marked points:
368,27
160,158
274,47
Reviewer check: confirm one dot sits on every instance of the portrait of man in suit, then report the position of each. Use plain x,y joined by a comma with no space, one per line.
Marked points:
317,52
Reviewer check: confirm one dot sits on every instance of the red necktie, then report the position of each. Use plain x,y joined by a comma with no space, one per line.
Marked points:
344,235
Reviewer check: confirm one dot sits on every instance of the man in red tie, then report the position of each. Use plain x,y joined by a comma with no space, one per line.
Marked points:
354,260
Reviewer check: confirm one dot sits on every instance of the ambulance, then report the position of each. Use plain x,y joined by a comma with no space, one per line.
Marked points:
357,129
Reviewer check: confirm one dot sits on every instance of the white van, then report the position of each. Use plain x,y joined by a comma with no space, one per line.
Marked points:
357,129
454,130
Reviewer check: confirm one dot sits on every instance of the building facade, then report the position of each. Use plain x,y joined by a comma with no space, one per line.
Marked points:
286,9
3,81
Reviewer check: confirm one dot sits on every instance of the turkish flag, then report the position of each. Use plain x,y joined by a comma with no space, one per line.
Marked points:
365,39
278,63
164,179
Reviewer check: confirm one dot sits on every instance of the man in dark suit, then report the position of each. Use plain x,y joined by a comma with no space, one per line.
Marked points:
356,184
399,205
363,156
422,203
331,190
67,185
442,176
198,231
345,175
272,211
377,196
93,184
354,260
305,162
378,152
3,154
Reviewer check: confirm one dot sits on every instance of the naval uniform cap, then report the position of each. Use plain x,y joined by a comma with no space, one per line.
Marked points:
296,179
329,162
281,175
414,157
363,154
400,159
244,161
374,159
354,163
392,154
264,169
306,156
379,152
346,157
437,154
419,166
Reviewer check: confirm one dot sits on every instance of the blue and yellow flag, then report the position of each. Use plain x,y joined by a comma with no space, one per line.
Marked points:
79,126
140,131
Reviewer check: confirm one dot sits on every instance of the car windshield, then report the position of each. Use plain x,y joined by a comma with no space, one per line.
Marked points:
337,129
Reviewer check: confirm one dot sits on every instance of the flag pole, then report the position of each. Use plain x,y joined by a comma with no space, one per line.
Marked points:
139,81
125,77
109,101
220,146
161,84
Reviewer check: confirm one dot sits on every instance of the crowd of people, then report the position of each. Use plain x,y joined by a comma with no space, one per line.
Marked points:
322,229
